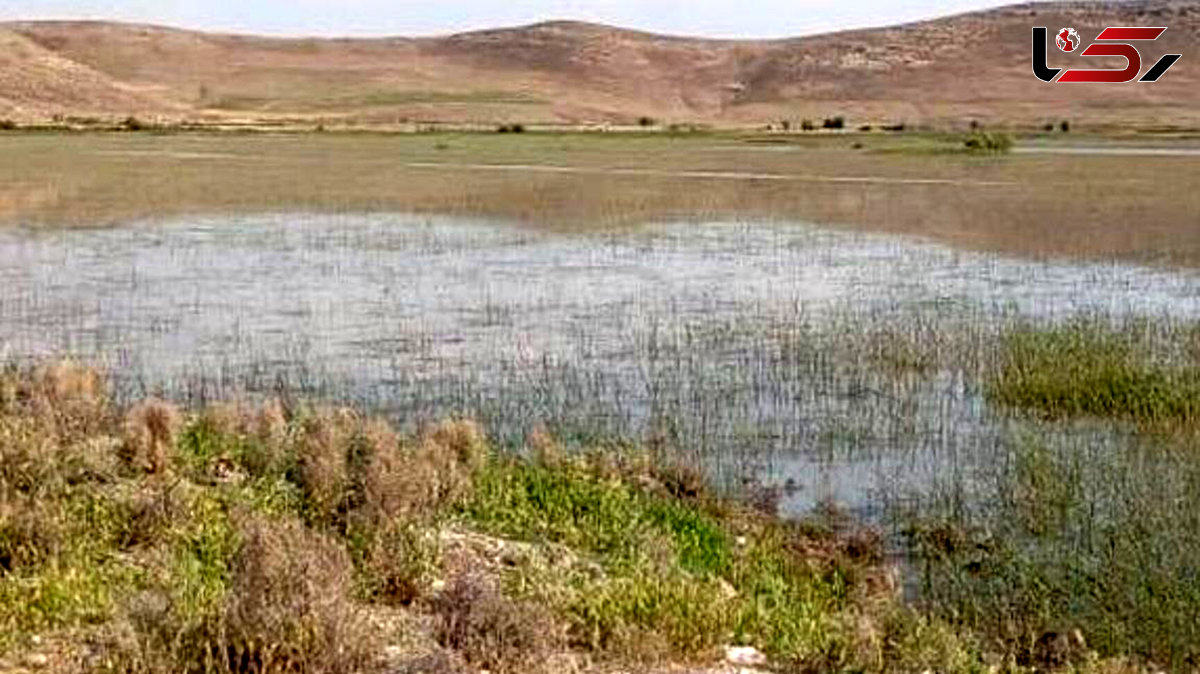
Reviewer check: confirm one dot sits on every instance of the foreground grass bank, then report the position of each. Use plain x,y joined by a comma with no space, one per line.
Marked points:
263,538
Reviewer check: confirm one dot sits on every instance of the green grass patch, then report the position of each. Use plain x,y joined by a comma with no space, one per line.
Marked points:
676,579
1087,368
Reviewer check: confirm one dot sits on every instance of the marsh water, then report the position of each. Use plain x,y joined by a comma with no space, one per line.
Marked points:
754,347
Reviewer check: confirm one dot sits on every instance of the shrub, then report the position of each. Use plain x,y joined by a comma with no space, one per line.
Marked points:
289,607
132,123
31,533
270,431
67,394
1065,126
645,122
149,433
838,122
8,125
492,631
420,481
321,454
807,125
988,142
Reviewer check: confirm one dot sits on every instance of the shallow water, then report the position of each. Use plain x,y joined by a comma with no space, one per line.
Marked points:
709,334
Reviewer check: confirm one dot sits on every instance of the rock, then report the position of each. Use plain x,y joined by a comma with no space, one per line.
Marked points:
745,656
37,660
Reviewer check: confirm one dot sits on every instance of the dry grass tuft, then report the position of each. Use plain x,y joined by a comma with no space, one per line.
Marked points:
68,385
463,439
270,423
545,449
40,455
30,533
492,631
321,453
289,608
420,481
65,397
149,433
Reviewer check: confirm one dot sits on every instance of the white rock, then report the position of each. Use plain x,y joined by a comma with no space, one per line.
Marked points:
744,656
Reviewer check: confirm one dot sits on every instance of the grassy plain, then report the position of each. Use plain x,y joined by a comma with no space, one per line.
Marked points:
1134,207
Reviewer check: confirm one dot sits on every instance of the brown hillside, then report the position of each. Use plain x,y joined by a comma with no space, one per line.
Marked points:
972,65
36,82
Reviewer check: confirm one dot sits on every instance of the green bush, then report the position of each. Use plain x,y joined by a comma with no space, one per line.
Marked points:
988,142
132,123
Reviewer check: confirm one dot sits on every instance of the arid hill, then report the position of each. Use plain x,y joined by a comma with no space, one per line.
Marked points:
969,66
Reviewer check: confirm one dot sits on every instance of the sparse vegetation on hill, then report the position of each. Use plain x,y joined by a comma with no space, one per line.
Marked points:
949,68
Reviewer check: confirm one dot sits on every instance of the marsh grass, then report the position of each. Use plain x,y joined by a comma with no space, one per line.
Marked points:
1101,542
1082,535
1089,368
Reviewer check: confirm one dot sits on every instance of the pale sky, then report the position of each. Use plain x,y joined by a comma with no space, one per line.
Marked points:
715,18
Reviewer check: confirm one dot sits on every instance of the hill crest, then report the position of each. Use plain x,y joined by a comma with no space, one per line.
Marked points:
973,65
